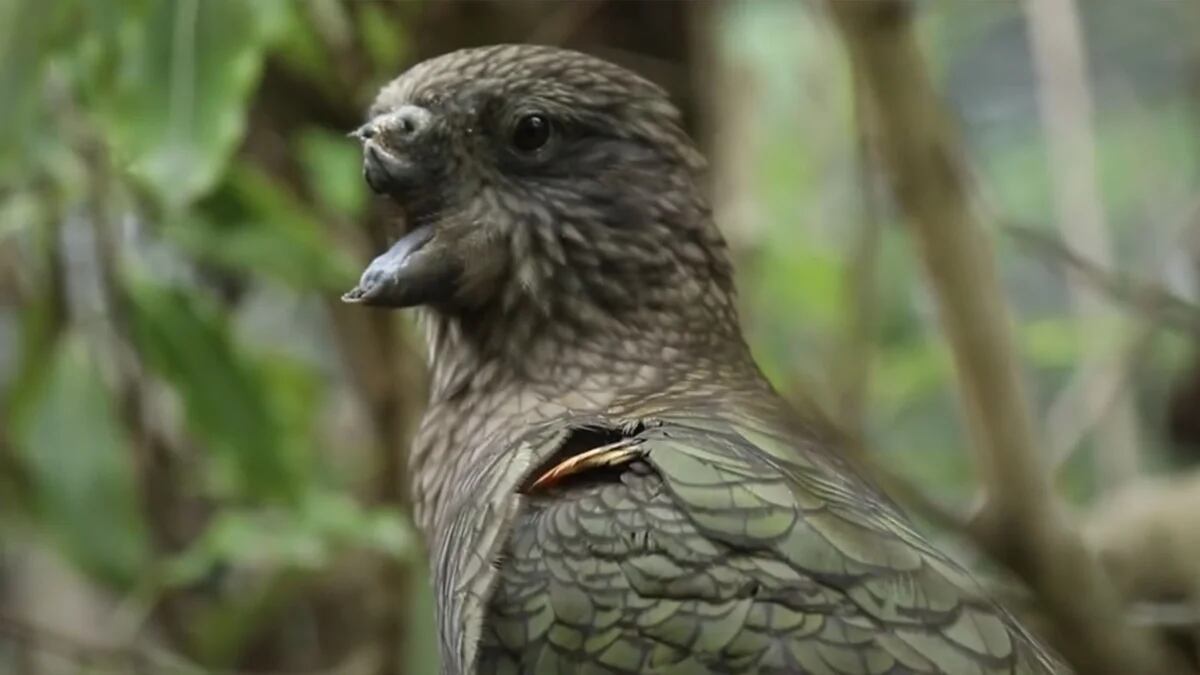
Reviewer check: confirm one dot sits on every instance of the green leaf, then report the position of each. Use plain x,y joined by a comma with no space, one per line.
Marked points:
322,525
343,521
183,77
301,50
21,65
295,392
39,47
383,37
332,167
254,539
1052,342
190,346
391,533
18,213
77,457
254,224
912,371
421,645
1056,342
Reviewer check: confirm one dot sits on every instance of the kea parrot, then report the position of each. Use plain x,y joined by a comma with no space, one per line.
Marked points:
605,480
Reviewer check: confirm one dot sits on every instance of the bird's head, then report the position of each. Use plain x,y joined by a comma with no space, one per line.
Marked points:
540,177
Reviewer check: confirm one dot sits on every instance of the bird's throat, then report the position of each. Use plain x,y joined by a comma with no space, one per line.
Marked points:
490,383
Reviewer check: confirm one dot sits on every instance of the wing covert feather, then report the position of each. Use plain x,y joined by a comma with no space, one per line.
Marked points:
726,551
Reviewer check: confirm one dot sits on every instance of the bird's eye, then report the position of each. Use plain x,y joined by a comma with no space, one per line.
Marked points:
531,133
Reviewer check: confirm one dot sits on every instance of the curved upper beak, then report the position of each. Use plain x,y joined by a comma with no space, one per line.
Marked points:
391,147
389,173
416,270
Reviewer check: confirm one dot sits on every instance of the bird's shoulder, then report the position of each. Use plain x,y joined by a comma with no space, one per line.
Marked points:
721,545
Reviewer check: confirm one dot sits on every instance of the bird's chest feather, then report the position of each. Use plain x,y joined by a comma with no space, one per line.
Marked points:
576,574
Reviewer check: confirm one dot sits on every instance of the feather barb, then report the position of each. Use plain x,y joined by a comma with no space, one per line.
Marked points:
612,454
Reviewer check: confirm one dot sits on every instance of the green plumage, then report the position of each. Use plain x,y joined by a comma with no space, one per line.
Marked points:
724,550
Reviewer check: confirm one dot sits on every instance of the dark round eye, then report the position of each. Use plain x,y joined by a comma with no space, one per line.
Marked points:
531,133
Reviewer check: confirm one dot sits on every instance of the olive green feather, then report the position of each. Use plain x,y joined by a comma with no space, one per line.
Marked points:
724,550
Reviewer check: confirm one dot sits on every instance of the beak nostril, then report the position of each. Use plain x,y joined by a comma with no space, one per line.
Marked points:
409,121
388,144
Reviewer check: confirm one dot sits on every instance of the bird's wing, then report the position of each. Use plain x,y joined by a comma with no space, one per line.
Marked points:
719,548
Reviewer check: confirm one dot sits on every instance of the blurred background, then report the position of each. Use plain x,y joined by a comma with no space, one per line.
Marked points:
202,450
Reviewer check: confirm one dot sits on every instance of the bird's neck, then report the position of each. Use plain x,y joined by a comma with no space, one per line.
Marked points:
495,376
552,359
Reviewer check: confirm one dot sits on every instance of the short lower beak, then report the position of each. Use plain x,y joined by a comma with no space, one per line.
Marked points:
414,271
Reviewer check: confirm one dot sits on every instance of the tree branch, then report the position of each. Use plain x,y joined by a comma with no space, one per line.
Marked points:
852,365
1066,111
1022,523
1150,299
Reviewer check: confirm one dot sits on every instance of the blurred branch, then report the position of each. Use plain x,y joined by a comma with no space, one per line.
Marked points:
1147,535
156,455
28,641
731,94
1066,424
44,322
1152,300
1066,112
388,376
1166,615
861,277
13,481
1148,539
1022,523
12,293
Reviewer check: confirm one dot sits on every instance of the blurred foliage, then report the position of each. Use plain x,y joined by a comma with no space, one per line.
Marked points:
182,415
85,499
152,443
810,196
